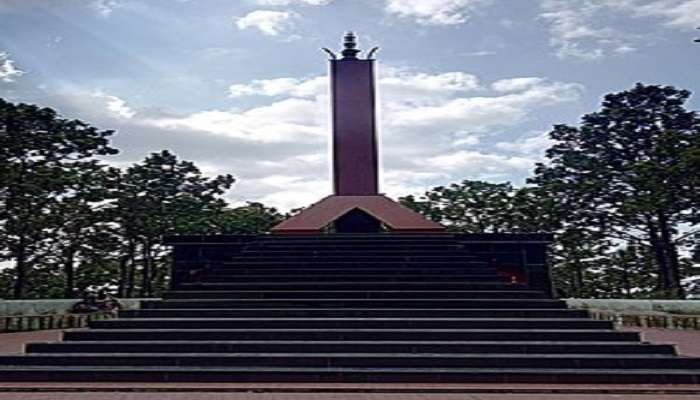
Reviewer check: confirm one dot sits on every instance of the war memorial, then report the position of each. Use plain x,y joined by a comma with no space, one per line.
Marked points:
355,288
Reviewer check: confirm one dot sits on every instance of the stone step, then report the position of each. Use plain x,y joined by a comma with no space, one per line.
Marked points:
282,268
361,257
350,323
362,360
277,270
226,276
508,335
356,238
58,373
356,294
352,285
376,251
354,303
352,346
353,312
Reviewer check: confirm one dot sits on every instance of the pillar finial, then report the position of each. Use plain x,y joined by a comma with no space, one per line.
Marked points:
350,46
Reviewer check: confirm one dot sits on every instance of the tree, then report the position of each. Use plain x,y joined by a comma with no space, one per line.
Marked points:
83,224
253,218
630,169
40,153
470,206
161,196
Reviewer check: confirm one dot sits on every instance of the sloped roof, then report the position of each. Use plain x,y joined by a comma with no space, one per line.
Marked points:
394,215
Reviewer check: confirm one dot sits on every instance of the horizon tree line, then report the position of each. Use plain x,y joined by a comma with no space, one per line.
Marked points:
620,191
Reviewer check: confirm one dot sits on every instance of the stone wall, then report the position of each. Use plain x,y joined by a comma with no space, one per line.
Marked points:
670,314
29,315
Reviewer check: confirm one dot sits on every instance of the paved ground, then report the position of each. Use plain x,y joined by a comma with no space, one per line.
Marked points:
288,396
688,344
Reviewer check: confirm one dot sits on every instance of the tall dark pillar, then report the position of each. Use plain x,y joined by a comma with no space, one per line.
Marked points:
356,205
355,160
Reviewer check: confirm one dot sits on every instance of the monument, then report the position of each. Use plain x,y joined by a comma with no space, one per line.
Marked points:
385,306
356,205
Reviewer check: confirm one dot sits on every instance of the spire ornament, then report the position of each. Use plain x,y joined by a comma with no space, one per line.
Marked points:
350,49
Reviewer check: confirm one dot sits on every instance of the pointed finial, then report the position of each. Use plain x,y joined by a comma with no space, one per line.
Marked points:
350,46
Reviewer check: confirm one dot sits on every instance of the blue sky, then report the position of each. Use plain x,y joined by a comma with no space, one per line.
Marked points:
469,88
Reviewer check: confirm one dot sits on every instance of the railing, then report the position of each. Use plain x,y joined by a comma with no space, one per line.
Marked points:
23,323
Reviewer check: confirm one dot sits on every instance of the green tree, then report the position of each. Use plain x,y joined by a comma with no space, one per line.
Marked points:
161,196
470,206
40,152
252,218
83,223
629,167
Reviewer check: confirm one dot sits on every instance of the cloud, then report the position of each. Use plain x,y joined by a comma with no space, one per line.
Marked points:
105,8
481,53
530,145
582,29
392,82
683,14
431,124
573,30
481,165
482,113
516,84
434,128
280,86
435,12
286,120
270,23
292,2
8,71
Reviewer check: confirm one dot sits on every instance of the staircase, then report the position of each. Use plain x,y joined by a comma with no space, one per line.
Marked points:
352,308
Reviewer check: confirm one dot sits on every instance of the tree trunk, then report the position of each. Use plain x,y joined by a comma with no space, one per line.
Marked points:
578,280
146,283
131,276
123,275
70,273
658,251
670,253
20,288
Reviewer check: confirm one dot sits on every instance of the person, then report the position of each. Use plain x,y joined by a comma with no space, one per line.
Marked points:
93,302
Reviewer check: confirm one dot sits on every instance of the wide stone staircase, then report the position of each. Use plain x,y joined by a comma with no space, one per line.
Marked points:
352,308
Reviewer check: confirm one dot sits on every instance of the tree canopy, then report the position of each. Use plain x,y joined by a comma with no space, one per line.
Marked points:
620,191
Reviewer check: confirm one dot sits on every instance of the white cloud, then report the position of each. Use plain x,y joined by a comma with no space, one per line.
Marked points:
582,28
118,106
434,12
479,165
292,2
105,8
281,86
531,145
8,71
676,13
481,53
392,82
573,30
412,85
435,128
287,120
286,192
481,113
268,22
516,84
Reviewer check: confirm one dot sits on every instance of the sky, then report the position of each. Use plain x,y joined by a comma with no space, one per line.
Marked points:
468,88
